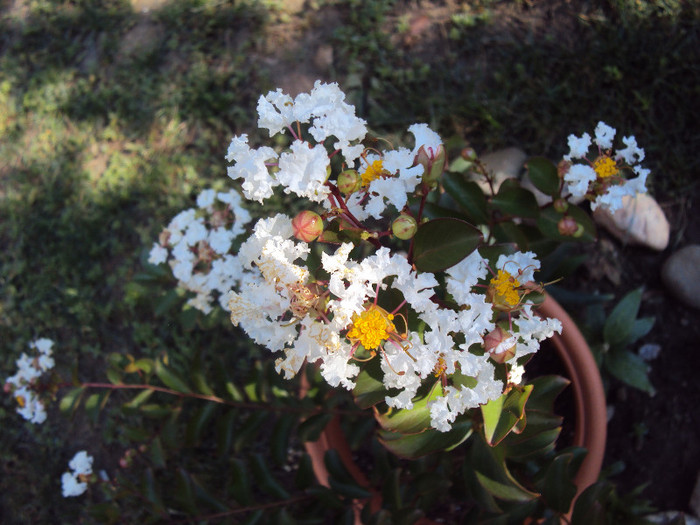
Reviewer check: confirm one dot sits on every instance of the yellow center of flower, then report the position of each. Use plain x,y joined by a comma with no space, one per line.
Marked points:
371,327
20,401
506,287
373,171
440,367
605,167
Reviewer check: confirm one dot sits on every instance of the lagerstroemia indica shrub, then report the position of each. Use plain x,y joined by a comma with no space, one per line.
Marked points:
405,284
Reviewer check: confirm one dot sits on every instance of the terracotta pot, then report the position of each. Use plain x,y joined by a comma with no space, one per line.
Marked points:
590,409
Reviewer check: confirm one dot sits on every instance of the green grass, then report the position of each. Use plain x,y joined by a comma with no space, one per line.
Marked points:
102,142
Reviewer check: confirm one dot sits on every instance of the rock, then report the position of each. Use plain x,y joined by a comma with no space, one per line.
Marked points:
502,164
695,498
541,198
681,275
649,351
640,221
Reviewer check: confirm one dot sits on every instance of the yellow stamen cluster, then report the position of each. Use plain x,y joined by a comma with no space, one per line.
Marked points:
440,367
371,327
506,287
373,172
605,167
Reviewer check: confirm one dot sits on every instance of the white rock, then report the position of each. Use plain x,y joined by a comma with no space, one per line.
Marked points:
681,275
640,220
695,498
649,351
502,164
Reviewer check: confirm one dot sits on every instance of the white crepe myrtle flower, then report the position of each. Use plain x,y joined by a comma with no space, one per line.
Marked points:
74,483
25,383
196,246
303,171
603,177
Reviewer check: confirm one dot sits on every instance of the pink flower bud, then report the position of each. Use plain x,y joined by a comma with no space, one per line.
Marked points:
404,227
567,226
500,345
307,226
561,205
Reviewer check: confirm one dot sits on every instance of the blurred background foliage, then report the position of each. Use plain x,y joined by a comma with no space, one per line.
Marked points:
114,115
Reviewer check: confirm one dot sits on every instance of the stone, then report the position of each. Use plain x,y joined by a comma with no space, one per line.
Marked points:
681,275
542,198
695,498
639,221
502,164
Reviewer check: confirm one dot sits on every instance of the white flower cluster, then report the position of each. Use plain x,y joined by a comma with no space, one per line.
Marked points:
304,169
602,177
196,245
283,309
74,482
23,384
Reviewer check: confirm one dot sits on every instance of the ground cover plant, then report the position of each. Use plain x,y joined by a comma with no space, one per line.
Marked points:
113,119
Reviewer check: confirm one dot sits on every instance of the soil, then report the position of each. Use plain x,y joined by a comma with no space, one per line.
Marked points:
655,437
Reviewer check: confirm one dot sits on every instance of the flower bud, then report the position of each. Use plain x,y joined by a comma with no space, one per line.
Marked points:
500,345
567,226
468,153
563,168
561,205
404,227
433,162
349,181
307,226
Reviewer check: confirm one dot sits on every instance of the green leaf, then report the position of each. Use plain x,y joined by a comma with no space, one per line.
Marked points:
441,243
184,492
492,474
629,368
369,387
310,429
516,201
279,439
619,324
543,174
225,428
70,402
170,378
240,482
139,399
591,506
549,219
143,364
151,491
340,479
94,403
157,453
468,195
413,446
558,488
266,480
640,328
502,414
411,421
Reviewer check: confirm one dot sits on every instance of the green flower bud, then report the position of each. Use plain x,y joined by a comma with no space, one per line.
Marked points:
561,205
404,227
349,181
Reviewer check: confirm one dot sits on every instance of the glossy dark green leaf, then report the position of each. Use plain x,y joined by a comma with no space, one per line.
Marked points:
240,482
391,489
196,374
304,477
225,430
114,375
558,488
543,174
157,453
441,243
93,404
629,368
492,473
184,492
265,479
340,479
310,429
549,219
279,439
591,507
618,327
170,378
413,446
516,201
151,491
509,232
468,195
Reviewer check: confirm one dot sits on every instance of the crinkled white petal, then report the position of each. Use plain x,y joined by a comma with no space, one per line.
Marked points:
604,135
578,179
578,146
